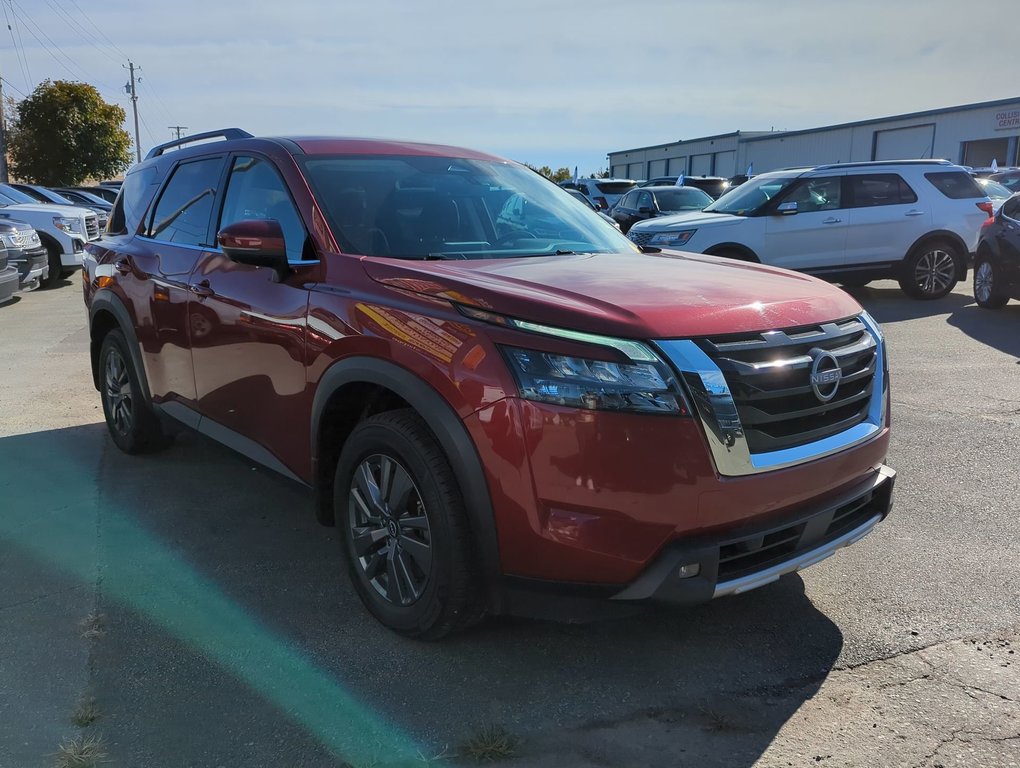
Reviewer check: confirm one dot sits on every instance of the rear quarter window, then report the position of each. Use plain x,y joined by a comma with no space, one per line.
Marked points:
956,185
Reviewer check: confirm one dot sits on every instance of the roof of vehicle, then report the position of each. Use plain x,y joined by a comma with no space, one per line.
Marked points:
664,187
319,145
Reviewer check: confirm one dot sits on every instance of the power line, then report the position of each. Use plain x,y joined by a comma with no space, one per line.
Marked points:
152,92
19,47
12,85
28,19
86,35
98,29
178,130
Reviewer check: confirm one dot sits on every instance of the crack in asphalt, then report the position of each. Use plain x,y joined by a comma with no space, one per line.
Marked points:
40,598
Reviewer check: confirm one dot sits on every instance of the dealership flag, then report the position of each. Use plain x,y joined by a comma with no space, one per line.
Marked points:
680,180
750,171
575,174
995,164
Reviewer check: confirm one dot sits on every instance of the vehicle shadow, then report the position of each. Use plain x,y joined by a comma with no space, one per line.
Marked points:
230,635
11,302
888,304
996,328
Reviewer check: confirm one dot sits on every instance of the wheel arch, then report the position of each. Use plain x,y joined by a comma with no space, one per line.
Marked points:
106,313
746,253
357,387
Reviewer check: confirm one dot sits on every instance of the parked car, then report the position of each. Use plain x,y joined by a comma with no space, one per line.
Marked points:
995,192
716,186
109,194
63,231
1009,179
86,198
916,221
8,278
578,195
487,412
650,202
602,193
25,253
46,195
997,263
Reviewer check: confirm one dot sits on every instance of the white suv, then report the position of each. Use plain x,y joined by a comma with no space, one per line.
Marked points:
602,193
913,220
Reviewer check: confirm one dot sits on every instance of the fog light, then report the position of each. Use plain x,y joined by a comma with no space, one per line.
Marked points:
689,570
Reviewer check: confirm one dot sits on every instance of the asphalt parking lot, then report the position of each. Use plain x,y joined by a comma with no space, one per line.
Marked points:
195,599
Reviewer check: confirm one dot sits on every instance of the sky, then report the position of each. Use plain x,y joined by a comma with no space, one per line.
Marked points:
548,82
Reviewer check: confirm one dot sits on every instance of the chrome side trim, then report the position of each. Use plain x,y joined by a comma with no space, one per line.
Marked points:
715,408
798,563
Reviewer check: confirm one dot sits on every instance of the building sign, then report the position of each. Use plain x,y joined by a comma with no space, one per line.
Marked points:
1009,118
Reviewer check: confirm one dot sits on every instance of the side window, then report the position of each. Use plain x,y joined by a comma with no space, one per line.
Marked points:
628,201
880,189
1011,208
256,191
956,185
821,194
644,200
129,207
185,207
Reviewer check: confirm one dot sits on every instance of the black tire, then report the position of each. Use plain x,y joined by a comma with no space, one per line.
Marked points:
987,289
132,424
56,268
430,596
931,270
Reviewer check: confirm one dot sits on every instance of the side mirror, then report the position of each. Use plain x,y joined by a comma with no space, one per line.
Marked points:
786,209
258,242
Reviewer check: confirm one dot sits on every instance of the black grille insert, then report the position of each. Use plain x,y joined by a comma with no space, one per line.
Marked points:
769,376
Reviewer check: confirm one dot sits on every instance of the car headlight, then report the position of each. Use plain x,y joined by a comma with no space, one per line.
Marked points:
672,238
68,224
646,387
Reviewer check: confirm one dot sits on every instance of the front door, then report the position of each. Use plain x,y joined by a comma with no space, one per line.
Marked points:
814,237
250,364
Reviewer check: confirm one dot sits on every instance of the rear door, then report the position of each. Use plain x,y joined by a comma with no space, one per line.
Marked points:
250,358
815,236
885,218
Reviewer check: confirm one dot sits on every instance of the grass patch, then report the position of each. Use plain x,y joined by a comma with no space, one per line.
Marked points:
86,713
81,752
92,626
489,744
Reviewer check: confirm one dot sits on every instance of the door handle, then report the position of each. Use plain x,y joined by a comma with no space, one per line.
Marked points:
831,220
201,289
122,266
914,213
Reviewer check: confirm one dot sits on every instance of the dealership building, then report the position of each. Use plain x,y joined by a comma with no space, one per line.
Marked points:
972,134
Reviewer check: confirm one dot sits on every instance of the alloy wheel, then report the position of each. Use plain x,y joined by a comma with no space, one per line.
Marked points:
935,271
389,530
117,389
983,282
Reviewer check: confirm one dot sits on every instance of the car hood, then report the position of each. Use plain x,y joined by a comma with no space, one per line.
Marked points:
632,295
688,220
51,208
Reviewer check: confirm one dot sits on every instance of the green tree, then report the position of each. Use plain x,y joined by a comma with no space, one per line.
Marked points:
65,133
562,174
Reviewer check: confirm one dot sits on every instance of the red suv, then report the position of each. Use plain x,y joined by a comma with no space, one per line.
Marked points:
495,394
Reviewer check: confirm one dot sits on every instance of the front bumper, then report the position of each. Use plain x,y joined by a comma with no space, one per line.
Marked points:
8,284
700,569
33,266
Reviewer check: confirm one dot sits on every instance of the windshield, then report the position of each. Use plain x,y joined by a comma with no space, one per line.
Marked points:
994,189
682,199
751,195
419,207
13,195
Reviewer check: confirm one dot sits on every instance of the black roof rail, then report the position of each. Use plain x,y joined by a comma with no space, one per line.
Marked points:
223,133
870,163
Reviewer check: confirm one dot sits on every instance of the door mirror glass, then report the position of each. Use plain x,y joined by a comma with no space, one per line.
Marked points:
787,209
258,242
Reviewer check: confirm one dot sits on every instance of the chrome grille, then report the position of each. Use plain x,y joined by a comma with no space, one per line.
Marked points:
92,227
769,377
640,238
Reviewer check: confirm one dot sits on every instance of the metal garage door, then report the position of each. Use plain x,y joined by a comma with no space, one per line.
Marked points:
701,165
725,163
656,168
677,165
636,171
904,143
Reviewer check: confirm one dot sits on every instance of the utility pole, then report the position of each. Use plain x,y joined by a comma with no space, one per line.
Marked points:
3,137
130,88
178,129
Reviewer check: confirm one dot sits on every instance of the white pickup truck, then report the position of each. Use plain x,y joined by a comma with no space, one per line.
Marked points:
63,230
